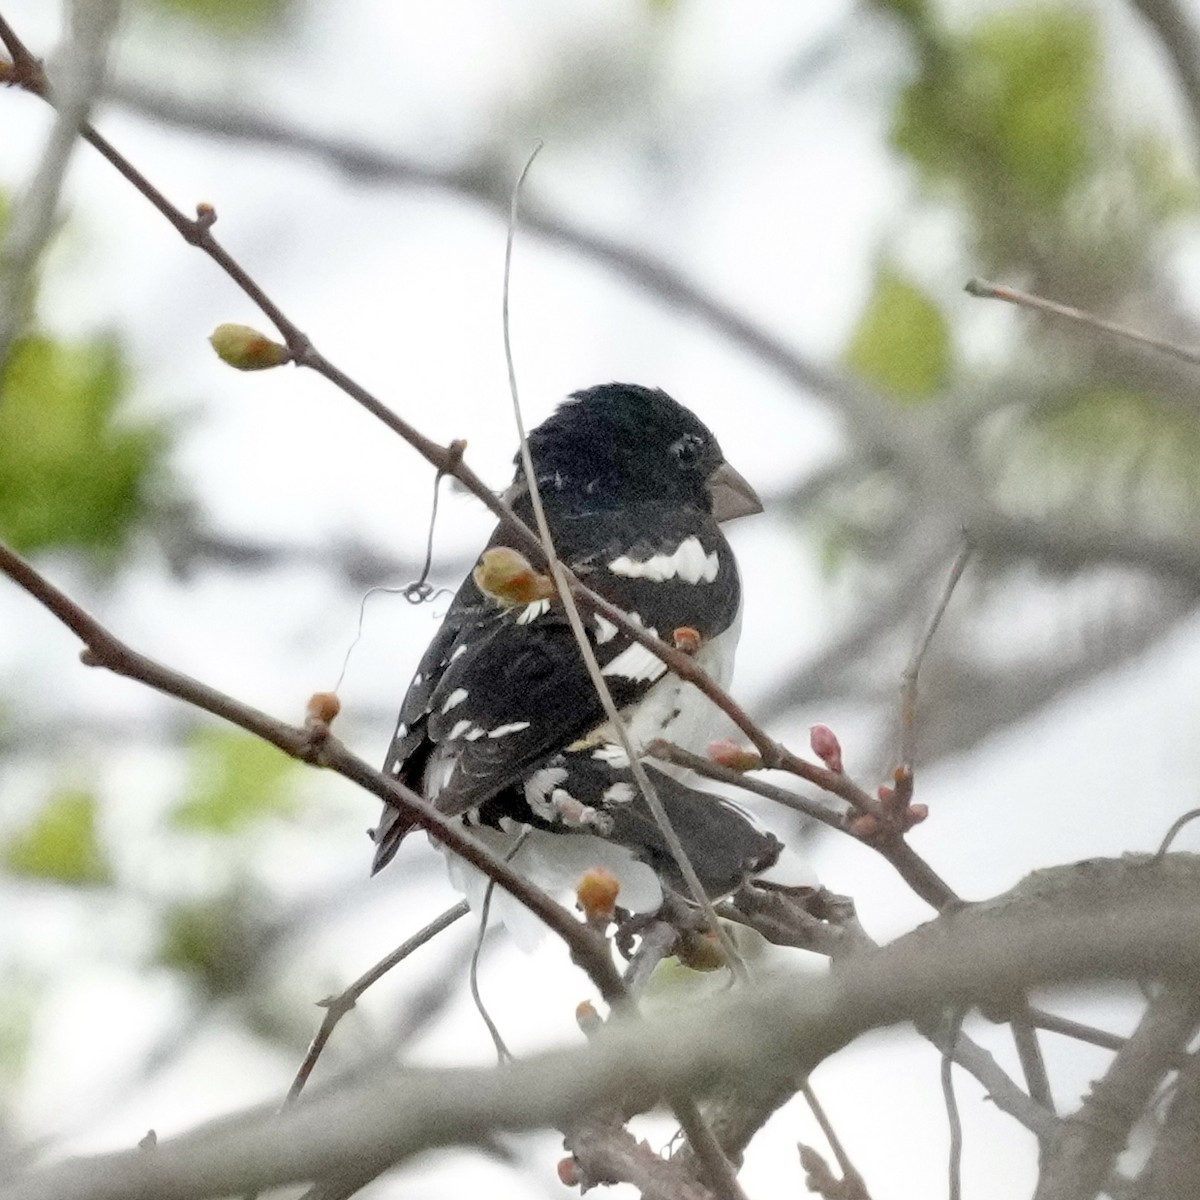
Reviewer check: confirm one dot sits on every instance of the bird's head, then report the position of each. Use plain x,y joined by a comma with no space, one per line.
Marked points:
621,443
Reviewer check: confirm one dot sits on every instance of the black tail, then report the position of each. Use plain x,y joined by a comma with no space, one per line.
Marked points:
723,844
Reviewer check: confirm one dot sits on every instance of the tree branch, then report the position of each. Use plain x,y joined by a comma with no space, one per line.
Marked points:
315,745
1126,918
1084,1151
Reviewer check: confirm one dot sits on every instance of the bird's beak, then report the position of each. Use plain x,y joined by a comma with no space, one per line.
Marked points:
732,496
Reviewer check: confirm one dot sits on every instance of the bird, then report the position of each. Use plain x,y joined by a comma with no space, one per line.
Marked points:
501,725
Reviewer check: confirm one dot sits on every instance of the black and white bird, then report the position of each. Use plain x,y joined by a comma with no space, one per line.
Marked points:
501,723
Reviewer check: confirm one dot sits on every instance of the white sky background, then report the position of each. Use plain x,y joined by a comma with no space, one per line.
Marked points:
777,201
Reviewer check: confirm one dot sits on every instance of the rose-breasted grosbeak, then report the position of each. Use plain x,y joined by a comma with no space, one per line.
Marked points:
501,722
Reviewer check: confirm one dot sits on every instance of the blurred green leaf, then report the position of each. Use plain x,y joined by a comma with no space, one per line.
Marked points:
231,18
62,844
19,1001
1166,187
72,473
236,781
1003,108
1120,444
213,942
902,343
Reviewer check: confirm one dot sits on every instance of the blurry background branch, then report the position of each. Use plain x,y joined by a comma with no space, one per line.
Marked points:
1052,146
947,461
1117,919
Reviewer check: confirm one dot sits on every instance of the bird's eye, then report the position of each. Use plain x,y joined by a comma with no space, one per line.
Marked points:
686,451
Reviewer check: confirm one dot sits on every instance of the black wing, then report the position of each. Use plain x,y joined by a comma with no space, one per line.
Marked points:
501,691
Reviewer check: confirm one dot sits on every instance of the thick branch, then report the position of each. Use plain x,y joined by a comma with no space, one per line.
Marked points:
1126,918
1085,1149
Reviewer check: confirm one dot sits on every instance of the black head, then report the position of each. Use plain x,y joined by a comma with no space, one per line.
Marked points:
621,443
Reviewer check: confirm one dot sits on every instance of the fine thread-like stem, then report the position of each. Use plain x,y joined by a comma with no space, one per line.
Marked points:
599,683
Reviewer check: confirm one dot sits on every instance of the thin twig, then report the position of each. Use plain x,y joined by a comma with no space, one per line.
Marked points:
1029,1053
503,1053
1176,828
908,681
336,1007
670,753
854,1186
953,1119
632,752
911,867
994,291
319,748
1053,1023
34,211
720,1172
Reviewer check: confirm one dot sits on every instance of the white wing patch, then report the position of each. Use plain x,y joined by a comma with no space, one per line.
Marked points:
531,612
512,727
620,793
611,753
636,664
688,562
605,630
538,789
459,729
456,697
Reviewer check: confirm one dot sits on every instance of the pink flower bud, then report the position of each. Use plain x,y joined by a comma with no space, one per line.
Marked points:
826,747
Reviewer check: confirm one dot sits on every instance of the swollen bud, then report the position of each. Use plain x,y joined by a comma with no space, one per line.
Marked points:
866,827
322,708
247,349
587,1018
508,577
686,639
727,753
826,747
569,1174
700,951
597,895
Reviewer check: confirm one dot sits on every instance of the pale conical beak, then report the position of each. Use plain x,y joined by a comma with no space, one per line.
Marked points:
732,496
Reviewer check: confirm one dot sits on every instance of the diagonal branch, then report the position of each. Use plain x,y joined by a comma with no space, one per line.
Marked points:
317,746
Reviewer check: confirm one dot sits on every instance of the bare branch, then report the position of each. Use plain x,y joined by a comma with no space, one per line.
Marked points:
908,683
336,1007
1173,1169
995,291
34,211
1125,918
1084,1152
609,1153
851,1184
953,1117
913,869
315,745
